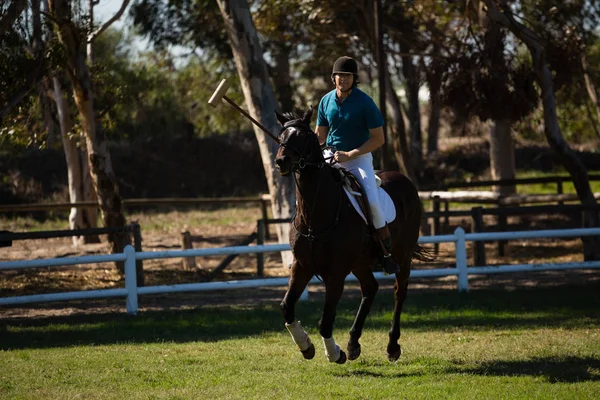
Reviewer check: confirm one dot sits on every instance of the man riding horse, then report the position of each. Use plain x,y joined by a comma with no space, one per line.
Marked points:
350,122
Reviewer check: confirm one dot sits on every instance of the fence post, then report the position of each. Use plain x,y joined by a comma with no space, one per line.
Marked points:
189,263
502,222
265,216
131,281
137,245
479,246
447,214
436,221
461,260
559,189
260,240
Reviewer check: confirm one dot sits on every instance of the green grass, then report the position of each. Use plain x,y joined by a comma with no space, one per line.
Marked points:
524,344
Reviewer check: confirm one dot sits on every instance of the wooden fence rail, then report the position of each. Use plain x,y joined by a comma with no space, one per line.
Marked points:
559,180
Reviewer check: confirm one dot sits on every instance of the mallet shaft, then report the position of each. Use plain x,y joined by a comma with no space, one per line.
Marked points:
250,118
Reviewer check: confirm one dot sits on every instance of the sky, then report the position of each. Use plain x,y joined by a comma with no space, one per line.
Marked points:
107,8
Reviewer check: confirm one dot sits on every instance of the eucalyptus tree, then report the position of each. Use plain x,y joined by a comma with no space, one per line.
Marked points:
238,33
72,37
569,33
260,99
542,54
488,79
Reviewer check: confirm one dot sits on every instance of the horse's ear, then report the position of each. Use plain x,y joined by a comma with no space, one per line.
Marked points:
308,115
282,120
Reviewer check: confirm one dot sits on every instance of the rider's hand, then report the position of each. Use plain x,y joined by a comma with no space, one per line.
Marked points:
342,156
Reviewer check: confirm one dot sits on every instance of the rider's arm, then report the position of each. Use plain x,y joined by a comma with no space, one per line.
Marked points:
375,141
322,132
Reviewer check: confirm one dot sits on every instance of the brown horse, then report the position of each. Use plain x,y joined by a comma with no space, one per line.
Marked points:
330,239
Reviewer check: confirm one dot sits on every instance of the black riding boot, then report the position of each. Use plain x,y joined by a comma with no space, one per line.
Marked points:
387,262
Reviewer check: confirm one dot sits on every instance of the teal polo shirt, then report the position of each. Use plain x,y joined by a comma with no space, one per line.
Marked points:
348,121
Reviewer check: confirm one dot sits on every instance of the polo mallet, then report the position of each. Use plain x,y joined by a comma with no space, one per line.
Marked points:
220,94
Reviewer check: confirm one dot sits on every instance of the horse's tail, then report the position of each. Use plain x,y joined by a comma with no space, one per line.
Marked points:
423,254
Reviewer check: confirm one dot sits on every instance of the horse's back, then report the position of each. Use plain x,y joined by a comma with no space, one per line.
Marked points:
399,187
405,196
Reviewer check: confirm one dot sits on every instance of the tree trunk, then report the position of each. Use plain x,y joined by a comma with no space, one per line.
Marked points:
414,113
260,98
590,86
435,105
398,136
502,156
98,156
281,76
77,171
578,172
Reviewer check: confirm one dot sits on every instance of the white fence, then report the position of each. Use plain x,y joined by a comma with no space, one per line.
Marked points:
131,291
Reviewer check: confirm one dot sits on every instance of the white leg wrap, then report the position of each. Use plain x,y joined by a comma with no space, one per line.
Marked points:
299,335
332,350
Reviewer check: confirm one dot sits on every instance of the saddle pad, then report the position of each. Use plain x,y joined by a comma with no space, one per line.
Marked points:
387,205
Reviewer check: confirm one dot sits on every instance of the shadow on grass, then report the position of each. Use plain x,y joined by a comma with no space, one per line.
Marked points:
565,306
550,369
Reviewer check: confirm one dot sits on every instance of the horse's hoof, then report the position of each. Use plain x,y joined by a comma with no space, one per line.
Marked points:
342,358
309,353
395,355
353,351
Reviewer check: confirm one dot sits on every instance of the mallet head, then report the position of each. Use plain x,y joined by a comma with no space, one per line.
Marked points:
219,93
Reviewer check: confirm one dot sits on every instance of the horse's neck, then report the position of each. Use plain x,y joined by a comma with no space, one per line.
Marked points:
318,196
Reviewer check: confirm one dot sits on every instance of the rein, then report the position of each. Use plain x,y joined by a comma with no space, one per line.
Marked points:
297,168
310,235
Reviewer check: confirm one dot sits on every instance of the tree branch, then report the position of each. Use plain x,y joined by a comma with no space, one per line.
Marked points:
12,13
108,23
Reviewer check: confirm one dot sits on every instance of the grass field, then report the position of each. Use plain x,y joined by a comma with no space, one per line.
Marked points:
524,344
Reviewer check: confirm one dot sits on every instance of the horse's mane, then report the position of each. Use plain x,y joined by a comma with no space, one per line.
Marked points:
291,116
295,119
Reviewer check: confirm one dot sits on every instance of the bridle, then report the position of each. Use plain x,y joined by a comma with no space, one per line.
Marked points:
302,161
297,167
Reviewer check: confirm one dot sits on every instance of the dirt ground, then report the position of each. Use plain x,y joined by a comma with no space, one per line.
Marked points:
173,271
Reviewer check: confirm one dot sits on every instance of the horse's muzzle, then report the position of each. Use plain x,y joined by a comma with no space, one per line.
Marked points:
281,163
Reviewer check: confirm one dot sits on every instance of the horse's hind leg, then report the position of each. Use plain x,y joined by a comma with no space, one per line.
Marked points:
368,288
299,278
400,288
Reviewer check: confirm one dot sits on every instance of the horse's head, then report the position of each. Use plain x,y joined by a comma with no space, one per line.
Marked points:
298,144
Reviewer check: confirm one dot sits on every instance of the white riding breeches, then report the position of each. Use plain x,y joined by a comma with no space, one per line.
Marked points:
362,168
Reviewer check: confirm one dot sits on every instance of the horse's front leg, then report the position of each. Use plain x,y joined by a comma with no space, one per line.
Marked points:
334,287
299,278
400,289
368,288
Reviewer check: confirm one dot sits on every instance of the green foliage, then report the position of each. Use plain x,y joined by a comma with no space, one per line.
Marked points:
23,127
155,96
189,23
195,83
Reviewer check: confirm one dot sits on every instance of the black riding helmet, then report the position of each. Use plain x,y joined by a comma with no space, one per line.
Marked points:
345,65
